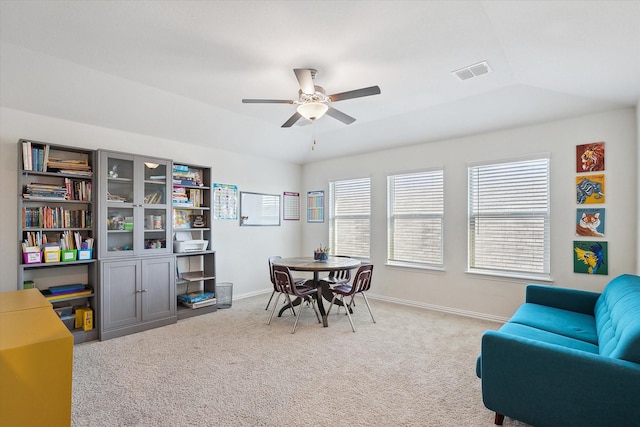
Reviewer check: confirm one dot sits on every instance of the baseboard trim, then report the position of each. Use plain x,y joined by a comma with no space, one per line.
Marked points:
442,309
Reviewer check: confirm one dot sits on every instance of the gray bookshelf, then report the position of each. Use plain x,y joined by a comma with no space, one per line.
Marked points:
56,197
192,241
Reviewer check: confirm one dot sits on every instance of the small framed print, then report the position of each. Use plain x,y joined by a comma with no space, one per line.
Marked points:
590,257
315,206
590,189
590,157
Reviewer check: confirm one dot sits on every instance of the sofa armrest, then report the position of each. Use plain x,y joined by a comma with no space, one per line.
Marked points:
564,298
547,384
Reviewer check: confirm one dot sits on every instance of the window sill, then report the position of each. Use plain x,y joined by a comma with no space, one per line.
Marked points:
515,276
404,265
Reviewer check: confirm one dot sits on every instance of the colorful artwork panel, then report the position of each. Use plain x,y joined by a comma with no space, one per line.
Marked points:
590,189
590,257
590,222
590,157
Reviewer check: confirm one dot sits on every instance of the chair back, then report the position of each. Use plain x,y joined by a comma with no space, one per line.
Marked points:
343,276
340,275
283,281
271,260
362,279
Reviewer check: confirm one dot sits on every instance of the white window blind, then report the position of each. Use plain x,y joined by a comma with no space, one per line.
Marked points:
509,218
416,218
349,217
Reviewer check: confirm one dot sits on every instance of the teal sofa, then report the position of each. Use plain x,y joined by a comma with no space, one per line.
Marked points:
567,358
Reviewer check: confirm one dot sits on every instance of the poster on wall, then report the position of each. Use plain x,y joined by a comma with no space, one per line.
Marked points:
590,189
291,206
315,206
225,201
590,157
590,222
590,257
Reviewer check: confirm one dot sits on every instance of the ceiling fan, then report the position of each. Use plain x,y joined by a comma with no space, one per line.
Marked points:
313,101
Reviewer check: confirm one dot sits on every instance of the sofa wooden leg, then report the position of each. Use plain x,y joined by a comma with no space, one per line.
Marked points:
499,419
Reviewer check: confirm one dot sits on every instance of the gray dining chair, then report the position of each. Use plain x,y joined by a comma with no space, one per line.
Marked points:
285,285
361,284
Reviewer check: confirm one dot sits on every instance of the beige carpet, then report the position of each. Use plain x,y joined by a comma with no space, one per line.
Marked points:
414,367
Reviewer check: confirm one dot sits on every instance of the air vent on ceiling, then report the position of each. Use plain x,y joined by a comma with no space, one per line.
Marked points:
472,70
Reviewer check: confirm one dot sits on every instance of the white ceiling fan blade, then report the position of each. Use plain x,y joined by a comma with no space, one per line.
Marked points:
296,116
339,115
305,80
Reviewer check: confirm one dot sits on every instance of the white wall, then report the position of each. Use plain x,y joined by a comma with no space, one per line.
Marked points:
241,252
637,168
456,291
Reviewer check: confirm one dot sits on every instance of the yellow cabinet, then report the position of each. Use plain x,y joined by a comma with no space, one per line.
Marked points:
36,361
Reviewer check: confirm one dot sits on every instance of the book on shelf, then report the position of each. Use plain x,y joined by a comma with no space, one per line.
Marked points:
153,198
55,217
197,296
65,161
67,289
181,218
38,191
197,299
26,155
35,156
54,297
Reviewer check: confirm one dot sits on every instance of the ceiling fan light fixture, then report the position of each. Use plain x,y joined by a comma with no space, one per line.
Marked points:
312,110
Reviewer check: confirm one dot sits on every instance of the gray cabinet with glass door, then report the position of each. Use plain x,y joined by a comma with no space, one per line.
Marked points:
134,206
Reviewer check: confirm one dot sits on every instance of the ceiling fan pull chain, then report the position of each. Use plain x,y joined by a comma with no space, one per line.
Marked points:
313,135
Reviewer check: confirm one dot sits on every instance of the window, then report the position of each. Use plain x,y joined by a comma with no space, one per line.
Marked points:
509,218
415,205
349,217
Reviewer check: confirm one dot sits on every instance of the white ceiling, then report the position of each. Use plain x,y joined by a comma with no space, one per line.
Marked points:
179,69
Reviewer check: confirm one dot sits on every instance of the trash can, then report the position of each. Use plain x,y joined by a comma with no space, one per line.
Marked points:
224,294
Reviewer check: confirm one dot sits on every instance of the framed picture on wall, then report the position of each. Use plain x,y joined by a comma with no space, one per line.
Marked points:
590,257
590,157
590,222
315,206
590,189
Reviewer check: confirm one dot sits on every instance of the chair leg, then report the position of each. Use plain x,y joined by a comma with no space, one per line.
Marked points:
499,419
291,304
331,305
368,306
270,298
297,318
349,315
313,305
275,305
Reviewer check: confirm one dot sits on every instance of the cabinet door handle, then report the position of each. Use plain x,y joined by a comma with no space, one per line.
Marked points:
141,290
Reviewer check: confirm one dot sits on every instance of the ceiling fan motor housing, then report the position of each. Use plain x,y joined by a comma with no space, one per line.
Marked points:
319,96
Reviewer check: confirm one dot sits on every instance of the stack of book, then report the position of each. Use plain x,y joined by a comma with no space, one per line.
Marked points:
66,291
44,192
70,166
197,299
179,197
182,175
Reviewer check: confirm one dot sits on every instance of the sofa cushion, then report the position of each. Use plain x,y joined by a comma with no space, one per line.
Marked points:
618,319
563,322
548,337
